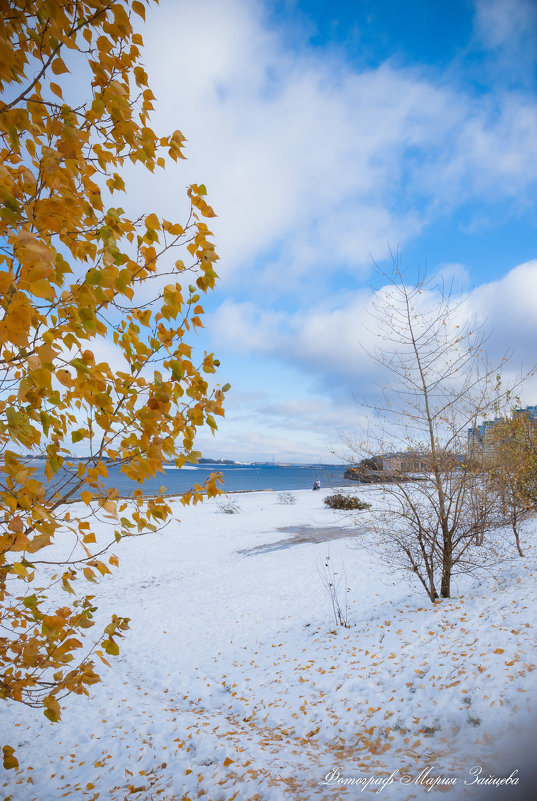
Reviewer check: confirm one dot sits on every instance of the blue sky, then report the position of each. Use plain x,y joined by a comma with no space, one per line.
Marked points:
328,133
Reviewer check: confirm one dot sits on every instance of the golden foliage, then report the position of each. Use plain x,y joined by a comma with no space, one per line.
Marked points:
75,272
511,456
512,443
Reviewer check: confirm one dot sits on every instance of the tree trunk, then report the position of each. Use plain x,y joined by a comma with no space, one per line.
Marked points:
445,584
517,538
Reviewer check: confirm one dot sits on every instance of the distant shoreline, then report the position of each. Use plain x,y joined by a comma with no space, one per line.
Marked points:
205,463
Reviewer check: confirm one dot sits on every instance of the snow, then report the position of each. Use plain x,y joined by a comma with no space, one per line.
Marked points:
234,681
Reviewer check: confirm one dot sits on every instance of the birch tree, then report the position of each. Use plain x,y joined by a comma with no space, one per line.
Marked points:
76,271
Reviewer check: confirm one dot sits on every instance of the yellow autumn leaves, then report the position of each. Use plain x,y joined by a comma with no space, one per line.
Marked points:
75,273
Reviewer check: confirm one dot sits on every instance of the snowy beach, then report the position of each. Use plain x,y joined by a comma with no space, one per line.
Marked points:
234,682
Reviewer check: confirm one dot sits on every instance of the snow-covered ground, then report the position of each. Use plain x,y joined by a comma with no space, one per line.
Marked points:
234,683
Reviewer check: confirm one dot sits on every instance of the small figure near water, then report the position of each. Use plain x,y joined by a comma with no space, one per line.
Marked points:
317,484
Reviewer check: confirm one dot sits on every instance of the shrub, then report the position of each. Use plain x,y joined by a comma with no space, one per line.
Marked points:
286,498
228,507
347,502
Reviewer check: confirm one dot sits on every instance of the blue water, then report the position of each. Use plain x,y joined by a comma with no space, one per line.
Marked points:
258,477
236,478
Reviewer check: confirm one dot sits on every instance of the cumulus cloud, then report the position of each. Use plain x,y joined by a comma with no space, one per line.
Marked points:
452,274
314,166
508,307
333,341
327,340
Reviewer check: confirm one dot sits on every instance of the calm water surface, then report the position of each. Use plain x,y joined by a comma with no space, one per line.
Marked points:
236,478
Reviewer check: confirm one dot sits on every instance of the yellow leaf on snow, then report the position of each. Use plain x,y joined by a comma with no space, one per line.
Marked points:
10,761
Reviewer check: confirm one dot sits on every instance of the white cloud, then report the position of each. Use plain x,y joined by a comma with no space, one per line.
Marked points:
307,428
452,274
509,308
323,340
505,34
329,344
313,167
309,164
245,328
504,23
332,341
496,152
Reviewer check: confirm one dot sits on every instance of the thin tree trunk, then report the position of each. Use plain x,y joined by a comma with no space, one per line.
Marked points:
517,538
445,584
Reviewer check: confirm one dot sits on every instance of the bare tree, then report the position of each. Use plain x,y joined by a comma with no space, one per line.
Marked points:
439,502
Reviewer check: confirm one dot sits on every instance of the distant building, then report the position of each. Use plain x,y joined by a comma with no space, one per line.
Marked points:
480,443
405,462
421,461
529,411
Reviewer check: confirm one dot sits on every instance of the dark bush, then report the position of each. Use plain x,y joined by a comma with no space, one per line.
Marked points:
340,501
371,464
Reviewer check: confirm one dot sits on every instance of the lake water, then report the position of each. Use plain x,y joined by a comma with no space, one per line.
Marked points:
260,477
236,478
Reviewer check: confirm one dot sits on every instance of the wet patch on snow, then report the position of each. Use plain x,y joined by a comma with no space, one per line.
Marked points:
305,535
